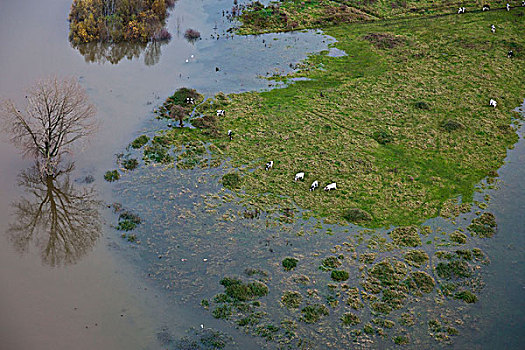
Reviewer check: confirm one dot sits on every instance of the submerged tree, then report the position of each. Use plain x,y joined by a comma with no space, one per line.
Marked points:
61,220
57,115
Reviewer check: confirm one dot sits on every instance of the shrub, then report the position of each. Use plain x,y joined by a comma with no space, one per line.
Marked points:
313,313
291,299
289,263
111,175
130,164
383,137
350,319
162,35
330,263
339,275
192,35
422,105
466,296
458,237
140,141
356,215
451,125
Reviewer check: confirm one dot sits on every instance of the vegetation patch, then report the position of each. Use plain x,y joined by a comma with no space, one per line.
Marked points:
356,215
466,296
231,181
350,319
330,263
289,263
416,258
291,299
313,313
453,269
483,226
423,281
458,237
111,175
406,236
339,275
385,40
128,221
139,141
240,291
130,164
451,125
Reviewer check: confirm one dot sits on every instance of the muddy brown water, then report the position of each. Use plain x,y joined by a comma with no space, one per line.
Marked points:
105,300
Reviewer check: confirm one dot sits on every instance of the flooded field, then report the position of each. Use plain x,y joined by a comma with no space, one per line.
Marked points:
159,285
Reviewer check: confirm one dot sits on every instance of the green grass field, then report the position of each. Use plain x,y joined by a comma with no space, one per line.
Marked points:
402,123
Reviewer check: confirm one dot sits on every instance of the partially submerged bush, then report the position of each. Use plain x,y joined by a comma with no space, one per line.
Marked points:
458,237
339,275
453,269
357,215
140,141
466,296
330,263
423,281
416,257
192,35
291,299
313,313
111,175
350,319
289,263
483,226
231,181
406,236
128,221
130,164
239,291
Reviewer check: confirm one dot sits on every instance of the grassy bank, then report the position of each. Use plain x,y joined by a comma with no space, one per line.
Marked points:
402,123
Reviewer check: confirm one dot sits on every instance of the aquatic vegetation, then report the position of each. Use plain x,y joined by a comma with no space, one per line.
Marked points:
291,299
367,258
231,181
453,269
111,175
483,226
467,296
405,236
240,291
401,339
383,322
128,221
339,275
389,272
313,313
222,311
130,164
192,35
139,141
423,281
289,263
157,153
329,263
353,300
416,258
350,319
458,237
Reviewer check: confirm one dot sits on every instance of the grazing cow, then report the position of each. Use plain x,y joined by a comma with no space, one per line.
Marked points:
493,28
510,54
485,8
230,134
220,113
331,186
493,103
314,185
461,10
190,100
299,176
508,7
269,165
523,3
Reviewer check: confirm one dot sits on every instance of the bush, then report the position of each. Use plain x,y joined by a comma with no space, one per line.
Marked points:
130,164
313,313
111,175
422,105
192,35
289,263
356,215
139,141
451,125
231,181
466,296
291,299
383,137
339,275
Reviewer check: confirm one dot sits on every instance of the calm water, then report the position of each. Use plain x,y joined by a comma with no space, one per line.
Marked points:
119,295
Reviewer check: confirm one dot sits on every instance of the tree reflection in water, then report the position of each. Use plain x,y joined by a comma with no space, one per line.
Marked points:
102,52
62,220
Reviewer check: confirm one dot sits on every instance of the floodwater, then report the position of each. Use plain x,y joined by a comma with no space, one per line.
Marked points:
95,298
114,294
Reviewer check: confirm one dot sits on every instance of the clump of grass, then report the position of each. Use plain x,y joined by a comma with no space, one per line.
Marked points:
422,105
423,281
291,299
339,275
251,272
240,291
353,298
389,273
329,263
451,125
157,153
466,296
222,311
383,137
128,221
452,331
231,181
289,263
385,40
130,164
416,258
208,123
350,319
356,215
458,237
484,226
139,141
401,339
453,269
313,313
406,236
383,322
111,175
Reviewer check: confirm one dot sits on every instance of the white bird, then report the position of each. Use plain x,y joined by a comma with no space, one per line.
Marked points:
192,56
508,6
187,60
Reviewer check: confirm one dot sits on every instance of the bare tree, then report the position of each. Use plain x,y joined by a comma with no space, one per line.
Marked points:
178,112
57,115
61,220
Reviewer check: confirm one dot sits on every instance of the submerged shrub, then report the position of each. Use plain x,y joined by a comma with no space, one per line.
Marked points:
330,263
192,34
240,291
458,237
111,175
140,141
289,263
130,164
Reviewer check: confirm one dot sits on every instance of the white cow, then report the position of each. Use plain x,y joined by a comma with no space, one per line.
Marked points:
230,134
220,113
461,10
331,186
269,165
493,103
314,185
299,176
